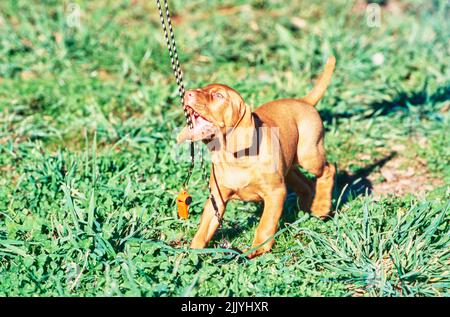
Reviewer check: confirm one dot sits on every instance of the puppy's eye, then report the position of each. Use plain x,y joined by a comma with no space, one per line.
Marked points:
218,95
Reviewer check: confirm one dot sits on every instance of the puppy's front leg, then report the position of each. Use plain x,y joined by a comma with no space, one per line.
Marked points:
209,222
273,207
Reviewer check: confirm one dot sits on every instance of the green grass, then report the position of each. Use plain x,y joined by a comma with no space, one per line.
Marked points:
88,173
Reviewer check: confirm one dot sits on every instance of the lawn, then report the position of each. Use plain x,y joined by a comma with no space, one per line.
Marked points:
89,166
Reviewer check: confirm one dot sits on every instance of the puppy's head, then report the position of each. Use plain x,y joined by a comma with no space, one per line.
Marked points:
212,109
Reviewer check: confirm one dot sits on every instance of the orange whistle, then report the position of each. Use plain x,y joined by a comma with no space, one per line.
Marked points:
183,202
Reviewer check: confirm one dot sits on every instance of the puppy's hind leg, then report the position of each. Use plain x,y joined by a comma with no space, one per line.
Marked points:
302,186
321,205
312,157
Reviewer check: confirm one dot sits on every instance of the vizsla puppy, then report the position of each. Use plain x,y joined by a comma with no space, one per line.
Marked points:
255,155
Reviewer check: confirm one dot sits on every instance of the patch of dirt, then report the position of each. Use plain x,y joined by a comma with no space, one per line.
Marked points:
402,175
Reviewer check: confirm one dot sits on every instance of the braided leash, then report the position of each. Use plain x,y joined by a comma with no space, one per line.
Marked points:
171,46
211,196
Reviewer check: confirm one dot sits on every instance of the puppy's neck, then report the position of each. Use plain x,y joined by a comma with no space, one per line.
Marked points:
249,141
242,139
238,141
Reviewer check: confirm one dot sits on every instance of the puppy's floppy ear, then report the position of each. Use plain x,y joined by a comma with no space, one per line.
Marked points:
245,115
240,136
241,111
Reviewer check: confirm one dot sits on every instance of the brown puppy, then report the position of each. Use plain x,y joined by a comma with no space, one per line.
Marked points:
255,155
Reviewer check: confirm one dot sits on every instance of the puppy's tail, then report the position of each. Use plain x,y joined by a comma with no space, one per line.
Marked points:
317,92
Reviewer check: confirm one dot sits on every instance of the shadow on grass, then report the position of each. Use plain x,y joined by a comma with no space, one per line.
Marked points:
400,101
347,187
232,229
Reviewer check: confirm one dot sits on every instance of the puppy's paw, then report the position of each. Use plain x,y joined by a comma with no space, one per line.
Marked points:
321,209
255,253
197,244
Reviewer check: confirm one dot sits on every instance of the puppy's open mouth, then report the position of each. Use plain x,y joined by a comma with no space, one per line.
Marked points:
202,127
